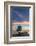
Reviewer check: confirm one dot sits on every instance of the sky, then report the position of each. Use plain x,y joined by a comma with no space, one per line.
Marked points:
19,13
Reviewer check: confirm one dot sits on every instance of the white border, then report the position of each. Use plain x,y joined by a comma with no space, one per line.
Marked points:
31,18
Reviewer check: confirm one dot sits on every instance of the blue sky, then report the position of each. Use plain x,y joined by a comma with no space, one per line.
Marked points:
19,13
